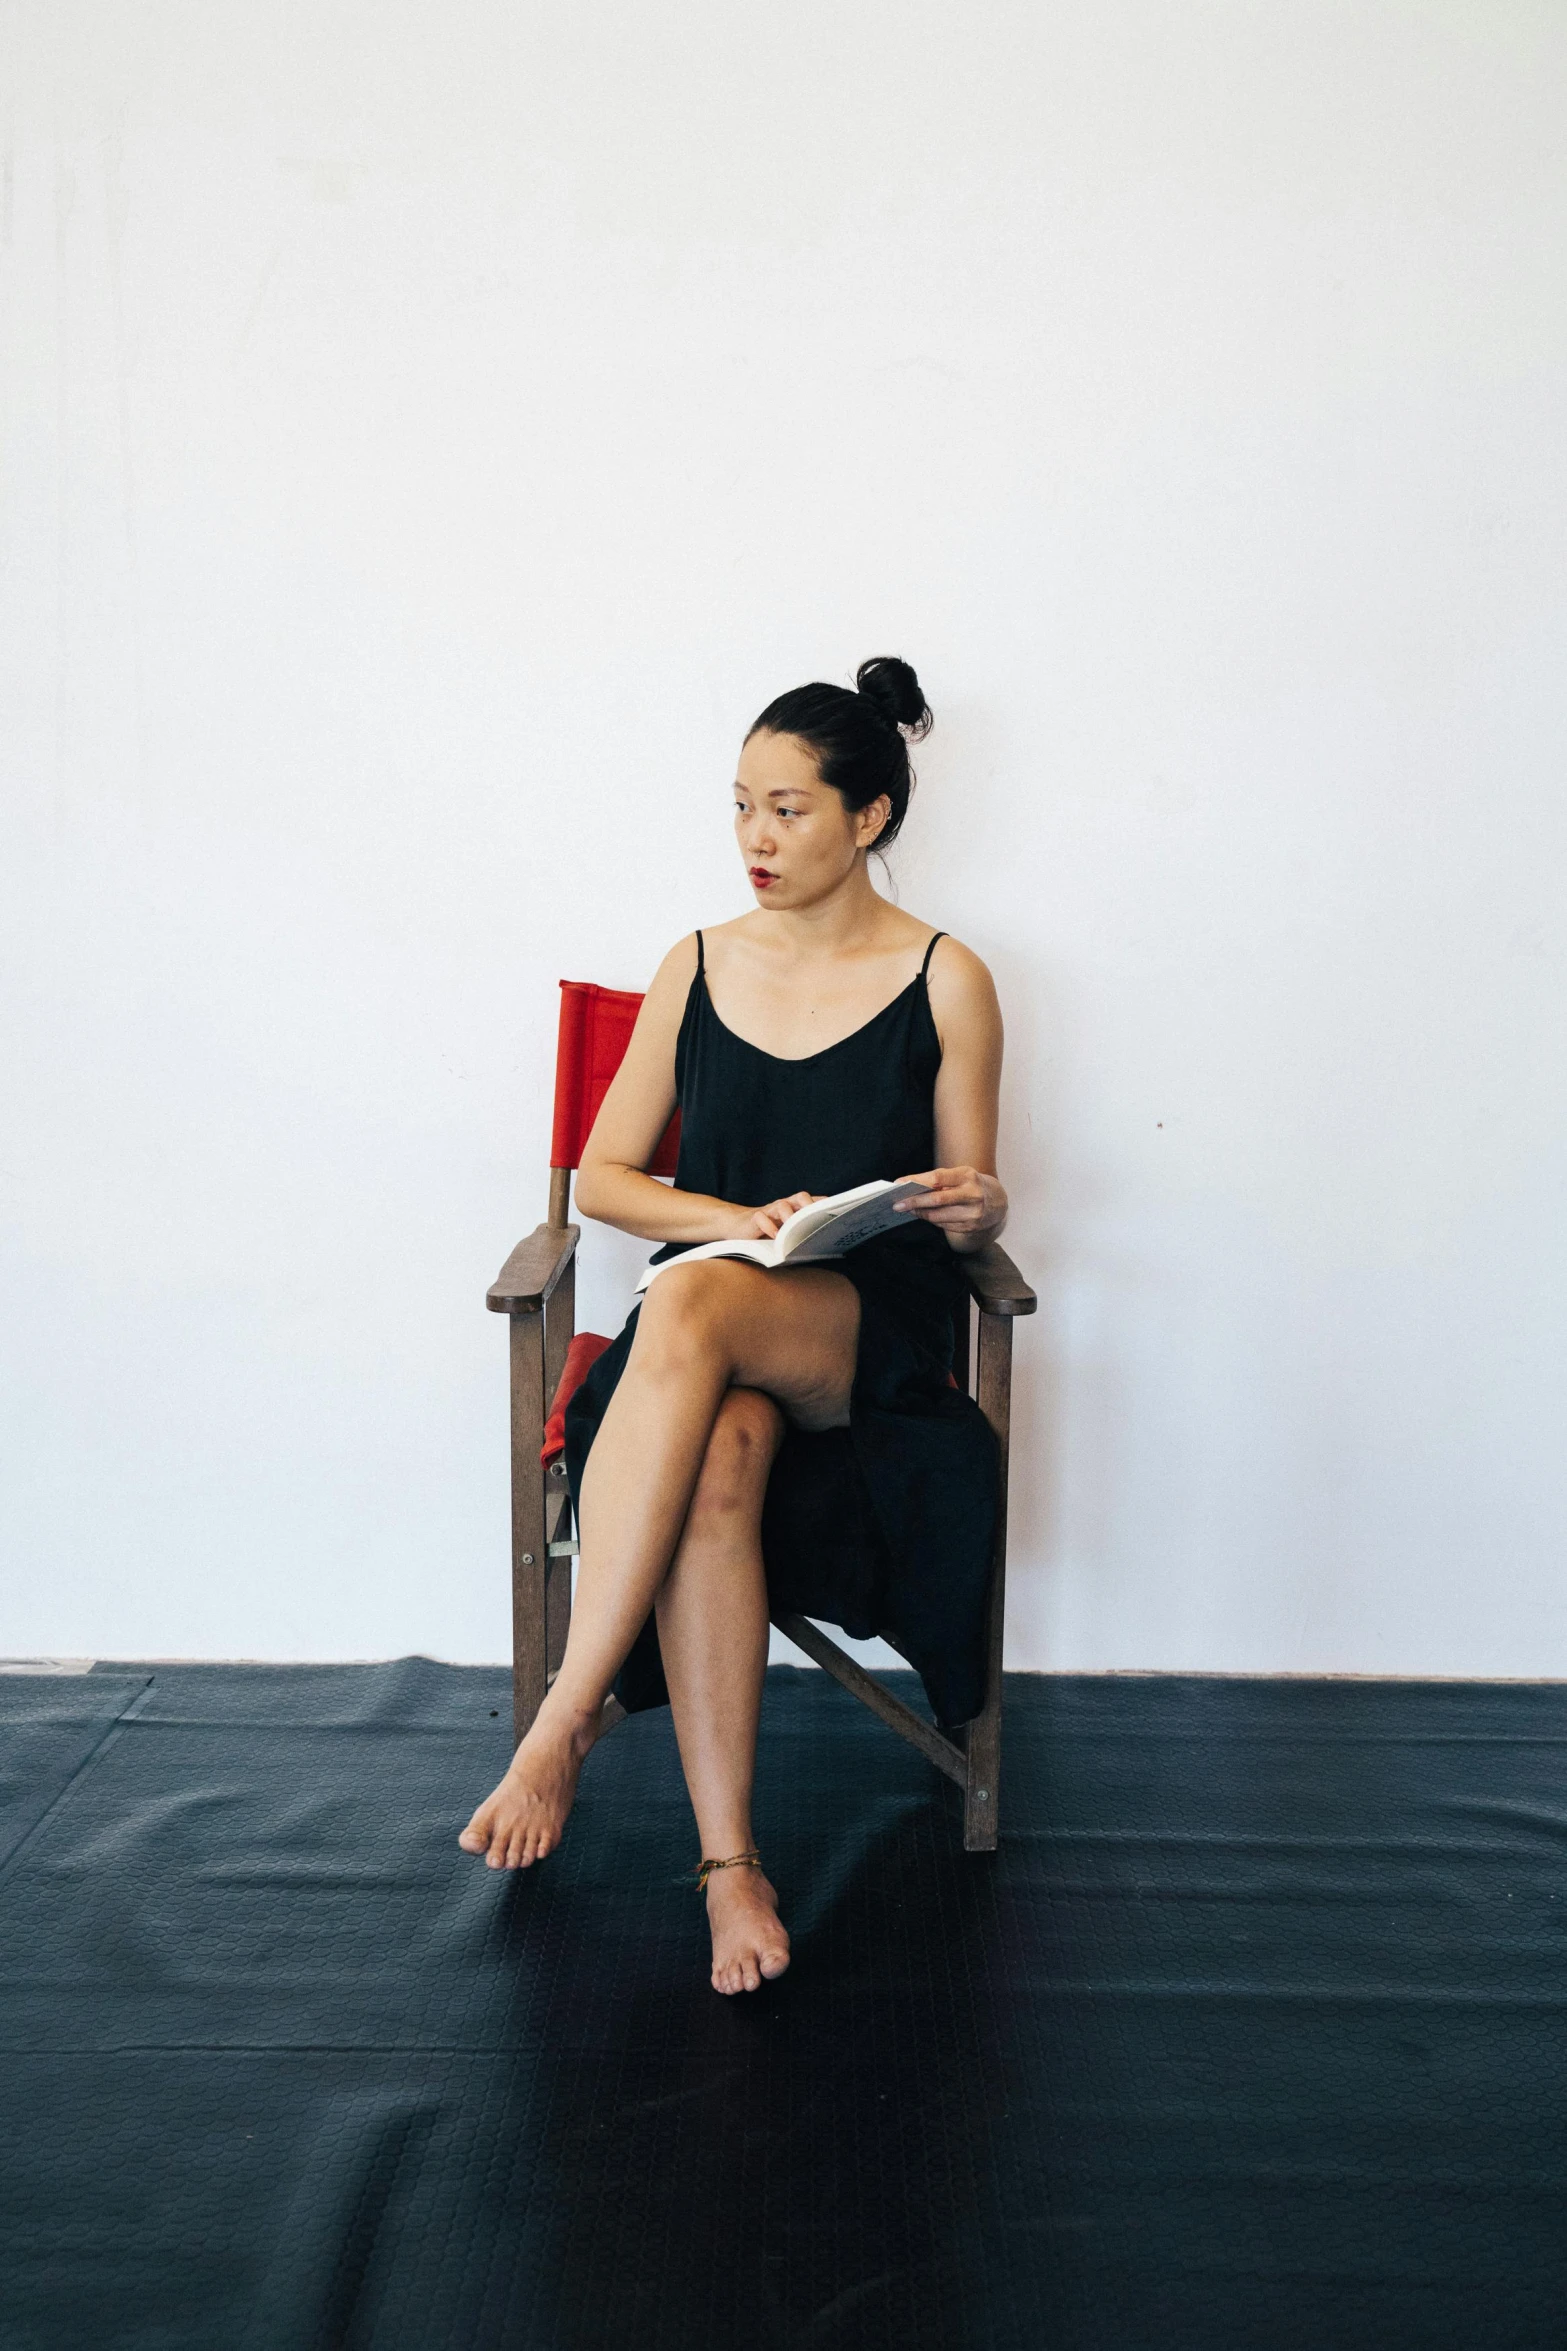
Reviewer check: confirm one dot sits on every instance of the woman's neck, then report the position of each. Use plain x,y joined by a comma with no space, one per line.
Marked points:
847,918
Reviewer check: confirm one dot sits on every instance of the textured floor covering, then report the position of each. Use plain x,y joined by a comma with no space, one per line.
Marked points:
1251,2035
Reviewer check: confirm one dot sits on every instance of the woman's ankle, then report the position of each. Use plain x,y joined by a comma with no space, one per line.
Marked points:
729,1846
560,1717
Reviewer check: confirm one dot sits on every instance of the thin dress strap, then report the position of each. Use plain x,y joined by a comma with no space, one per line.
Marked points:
929,952
699,963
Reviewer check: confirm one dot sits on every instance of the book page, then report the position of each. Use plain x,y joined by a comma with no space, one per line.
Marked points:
824,1228
849,1226
798,1228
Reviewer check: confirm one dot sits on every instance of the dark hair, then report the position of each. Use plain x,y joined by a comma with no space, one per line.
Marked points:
861,740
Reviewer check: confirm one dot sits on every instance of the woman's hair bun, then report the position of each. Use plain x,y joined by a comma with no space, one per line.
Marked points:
860,741
890,684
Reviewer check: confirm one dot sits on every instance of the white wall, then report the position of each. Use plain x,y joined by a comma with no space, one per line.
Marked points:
431,432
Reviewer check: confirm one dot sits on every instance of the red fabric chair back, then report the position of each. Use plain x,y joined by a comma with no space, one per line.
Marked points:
595,1029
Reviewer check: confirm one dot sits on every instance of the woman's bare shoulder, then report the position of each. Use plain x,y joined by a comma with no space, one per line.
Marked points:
664,1004
954,965
720,939
678,967
961,987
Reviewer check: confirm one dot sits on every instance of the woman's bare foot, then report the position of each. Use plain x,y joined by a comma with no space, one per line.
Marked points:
749,1942
521,1820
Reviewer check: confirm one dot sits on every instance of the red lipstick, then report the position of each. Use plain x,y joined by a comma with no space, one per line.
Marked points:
761,879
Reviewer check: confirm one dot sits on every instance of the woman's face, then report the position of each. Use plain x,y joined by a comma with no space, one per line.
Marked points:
797,840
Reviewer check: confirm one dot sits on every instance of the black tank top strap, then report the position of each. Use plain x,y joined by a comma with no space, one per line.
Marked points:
700,966
929,952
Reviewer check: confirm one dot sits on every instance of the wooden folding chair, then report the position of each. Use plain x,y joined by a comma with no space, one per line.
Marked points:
536,1288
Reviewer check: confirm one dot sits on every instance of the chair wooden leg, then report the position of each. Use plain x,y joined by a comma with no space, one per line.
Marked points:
981,1807
529,1542
982,1794
559,1326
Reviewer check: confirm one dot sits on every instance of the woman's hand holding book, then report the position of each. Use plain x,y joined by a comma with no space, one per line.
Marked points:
968,1205
805,1225
761,1224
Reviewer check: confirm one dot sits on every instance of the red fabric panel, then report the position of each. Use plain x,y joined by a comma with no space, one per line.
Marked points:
595,1029
581,1355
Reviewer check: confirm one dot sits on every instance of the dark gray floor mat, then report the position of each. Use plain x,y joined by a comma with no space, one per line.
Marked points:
1252,2034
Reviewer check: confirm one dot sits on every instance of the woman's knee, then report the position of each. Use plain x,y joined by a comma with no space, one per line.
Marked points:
739,1458
687,1311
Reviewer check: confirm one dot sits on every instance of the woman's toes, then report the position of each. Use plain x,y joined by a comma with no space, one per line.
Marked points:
750,1946
520,1822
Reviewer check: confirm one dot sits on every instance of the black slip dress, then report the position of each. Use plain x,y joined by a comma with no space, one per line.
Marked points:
885,1526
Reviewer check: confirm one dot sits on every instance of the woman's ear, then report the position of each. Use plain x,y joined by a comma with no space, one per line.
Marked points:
870,820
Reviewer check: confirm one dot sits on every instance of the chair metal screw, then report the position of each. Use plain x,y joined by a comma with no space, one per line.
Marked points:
982,1795
527,1559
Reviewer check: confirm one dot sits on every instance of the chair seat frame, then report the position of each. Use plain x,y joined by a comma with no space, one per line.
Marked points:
536,1290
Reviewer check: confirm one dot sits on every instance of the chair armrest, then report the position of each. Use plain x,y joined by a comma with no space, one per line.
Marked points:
531,1272
994,1281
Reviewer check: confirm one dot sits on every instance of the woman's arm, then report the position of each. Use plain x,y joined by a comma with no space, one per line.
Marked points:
612,1184
968,1202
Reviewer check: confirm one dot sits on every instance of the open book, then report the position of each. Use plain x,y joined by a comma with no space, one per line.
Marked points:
824,1228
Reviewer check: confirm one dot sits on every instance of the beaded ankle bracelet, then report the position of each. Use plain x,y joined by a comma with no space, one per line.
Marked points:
751,1860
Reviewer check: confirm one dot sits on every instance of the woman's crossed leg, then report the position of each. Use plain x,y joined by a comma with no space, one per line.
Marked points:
670,1517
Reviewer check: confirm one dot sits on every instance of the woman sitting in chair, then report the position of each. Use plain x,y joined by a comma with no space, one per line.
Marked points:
789,1438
